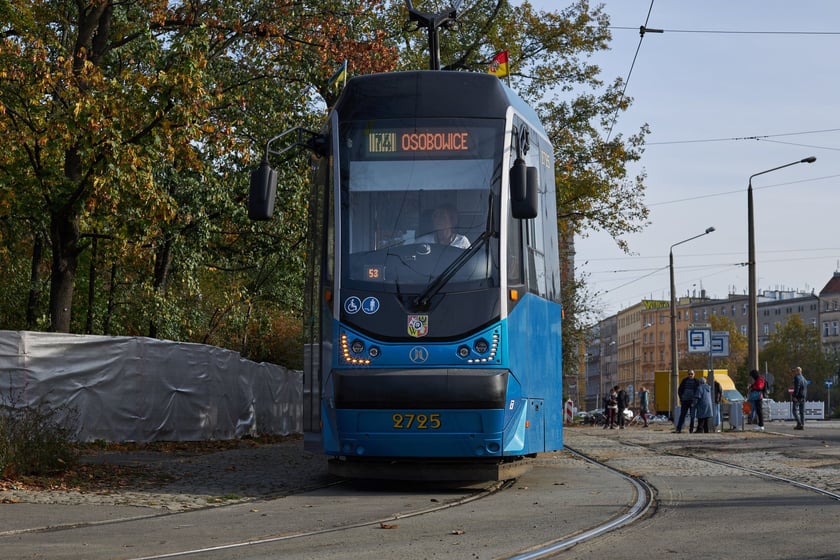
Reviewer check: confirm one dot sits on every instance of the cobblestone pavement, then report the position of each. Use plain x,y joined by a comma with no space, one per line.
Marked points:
194,480
811,457
207,479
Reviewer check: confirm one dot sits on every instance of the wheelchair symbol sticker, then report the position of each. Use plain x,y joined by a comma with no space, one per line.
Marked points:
352,305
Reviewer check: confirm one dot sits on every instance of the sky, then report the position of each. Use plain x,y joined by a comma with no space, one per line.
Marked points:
731,88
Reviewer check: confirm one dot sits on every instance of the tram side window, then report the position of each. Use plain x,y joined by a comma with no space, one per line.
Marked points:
536,259
535,229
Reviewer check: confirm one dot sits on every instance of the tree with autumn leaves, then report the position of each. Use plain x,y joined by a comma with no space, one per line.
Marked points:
128,126
129,129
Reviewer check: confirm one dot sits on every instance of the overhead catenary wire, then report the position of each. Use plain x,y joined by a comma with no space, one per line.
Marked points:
741,191
740,138
642,31
627,279
732,31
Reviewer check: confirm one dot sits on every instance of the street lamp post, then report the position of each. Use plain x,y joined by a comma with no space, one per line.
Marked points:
752,334
675,367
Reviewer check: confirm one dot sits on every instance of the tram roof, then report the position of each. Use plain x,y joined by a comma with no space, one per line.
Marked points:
442,94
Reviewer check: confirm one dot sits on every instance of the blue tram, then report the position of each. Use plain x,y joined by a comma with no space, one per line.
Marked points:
439,322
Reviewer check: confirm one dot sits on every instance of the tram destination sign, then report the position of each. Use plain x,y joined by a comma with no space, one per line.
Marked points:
430,141
465,141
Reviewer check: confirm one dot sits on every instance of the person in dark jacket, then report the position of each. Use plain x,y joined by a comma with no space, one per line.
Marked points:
703,405
687,393
756,396
611,408
623,403
718,399
800,393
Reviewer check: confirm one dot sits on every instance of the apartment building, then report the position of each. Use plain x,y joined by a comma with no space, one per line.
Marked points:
829,315
629,346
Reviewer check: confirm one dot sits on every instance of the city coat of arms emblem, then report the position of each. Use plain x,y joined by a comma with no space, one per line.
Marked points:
418,325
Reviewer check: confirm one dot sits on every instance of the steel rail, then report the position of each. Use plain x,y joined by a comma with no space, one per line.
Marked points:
497,487
644,499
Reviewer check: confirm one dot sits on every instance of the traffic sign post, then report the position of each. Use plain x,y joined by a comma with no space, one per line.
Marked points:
702,339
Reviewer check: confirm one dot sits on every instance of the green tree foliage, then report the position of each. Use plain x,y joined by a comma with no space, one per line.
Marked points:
134,123
796,344
130,128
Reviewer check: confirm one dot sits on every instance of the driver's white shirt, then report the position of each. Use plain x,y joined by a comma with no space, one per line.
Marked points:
458,240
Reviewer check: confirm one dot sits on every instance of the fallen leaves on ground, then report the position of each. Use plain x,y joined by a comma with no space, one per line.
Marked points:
90,476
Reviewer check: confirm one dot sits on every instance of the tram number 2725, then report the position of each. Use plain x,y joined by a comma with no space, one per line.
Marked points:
416,421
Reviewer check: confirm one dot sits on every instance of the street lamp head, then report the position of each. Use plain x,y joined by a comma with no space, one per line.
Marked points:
710,229
811,159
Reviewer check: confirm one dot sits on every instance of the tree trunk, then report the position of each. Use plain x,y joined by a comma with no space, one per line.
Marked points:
112,294
64,236
91,287
35,282
163,263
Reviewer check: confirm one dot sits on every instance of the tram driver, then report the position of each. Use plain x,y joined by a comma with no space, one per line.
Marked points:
444,221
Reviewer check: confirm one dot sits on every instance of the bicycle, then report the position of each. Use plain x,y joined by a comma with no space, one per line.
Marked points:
637,419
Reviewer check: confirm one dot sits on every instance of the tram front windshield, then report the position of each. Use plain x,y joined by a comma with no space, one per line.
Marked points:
420,199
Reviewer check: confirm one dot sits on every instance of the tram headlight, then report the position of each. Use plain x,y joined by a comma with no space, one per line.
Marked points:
357,346
463,351
481,346
374,351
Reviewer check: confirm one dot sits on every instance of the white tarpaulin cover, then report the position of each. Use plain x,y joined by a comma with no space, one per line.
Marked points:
144,389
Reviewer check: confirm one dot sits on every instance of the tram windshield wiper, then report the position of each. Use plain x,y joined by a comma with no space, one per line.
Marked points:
438,283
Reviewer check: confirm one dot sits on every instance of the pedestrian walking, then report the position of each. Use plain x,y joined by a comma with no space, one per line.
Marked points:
718,399
687,392
622,402
756,397
800,393
703,405
644,404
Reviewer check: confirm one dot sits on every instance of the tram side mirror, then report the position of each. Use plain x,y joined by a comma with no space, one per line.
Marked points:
263,192
523,190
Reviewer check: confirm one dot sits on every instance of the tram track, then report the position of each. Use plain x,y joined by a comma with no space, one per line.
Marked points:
600,489
645,496
383,522
644,489
644,500
760,472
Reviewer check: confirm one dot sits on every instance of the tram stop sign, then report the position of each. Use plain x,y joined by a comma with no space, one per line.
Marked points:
720,343
702,339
